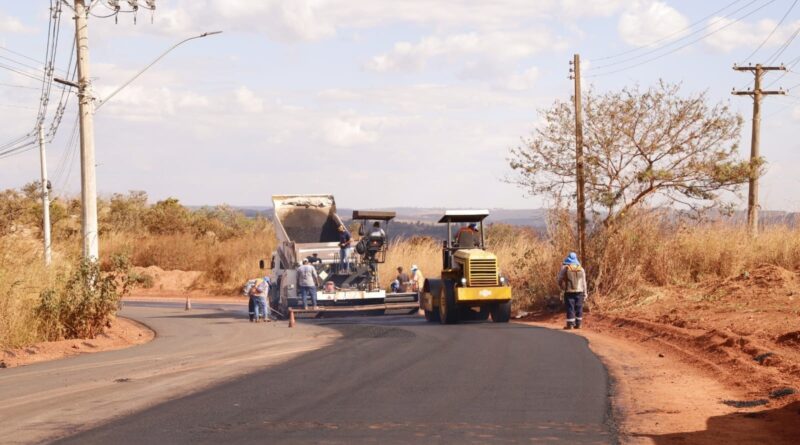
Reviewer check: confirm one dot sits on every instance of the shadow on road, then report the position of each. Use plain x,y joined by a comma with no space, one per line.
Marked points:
775,427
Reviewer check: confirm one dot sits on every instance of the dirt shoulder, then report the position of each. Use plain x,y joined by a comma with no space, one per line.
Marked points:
123,333
666,390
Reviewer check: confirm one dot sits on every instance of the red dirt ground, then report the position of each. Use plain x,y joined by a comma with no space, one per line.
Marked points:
123,333
678,353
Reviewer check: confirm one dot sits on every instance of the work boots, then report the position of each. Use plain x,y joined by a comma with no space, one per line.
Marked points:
570,325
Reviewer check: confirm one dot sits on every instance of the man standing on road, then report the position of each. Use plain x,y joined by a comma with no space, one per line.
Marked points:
307,282
345,242
572,280
259,292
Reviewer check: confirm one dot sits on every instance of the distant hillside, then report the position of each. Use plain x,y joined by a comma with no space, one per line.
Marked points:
413,221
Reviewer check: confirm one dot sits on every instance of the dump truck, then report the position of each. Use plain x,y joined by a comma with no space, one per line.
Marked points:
306,225
471,286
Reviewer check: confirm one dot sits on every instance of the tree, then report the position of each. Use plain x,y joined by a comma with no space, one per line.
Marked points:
167,217
638,146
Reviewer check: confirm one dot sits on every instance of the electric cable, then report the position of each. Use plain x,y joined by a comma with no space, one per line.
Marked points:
674,50
773,31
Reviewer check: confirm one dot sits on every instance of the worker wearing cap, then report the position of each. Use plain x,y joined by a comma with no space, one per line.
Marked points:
259,294
417,280
345,247
572,280
307,283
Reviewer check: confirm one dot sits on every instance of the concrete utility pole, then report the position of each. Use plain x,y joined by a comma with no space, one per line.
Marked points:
45,198
755,140
86,114
579,174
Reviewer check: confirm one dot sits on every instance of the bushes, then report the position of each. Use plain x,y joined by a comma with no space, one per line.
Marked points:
82,304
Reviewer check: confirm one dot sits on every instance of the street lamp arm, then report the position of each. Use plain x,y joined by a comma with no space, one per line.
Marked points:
102,102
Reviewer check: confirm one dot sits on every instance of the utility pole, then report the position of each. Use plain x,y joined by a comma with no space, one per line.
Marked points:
579,174
86,115
757,93
45,198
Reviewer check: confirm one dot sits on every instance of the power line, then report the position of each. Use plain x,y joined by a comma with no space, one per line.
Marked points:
674,50
11,85
773,31
23,73
783,47
695,32
21,55
669,36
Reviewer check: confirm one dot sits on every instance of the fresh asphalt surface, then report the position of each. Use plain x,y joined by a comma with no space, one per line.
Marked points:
396,379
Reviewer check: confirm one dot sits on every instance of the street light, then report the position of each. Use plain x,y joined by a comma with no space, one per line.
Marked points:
101,102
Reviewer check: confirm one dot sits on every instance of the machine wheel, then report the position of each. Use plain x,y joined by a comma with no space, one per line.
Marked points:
448,311
501,312
432,316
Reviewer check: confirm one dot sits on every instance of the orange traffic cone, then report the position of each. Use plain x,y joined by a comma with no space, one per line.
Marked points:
291,318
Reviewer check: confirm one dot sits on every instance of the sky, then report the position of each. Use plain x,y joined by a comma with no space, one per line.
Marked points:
411,103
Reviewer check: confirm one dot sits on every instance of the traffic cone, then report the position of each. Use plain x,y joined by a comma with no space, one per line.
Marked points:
291,318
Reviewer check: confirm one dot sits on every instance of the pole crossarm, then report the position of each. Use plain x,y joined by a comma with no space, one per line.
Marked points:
762,92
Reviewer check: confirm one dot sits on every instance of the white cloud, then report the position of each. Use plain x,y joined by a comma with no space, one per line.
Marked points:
647,21
521,81
729,35
310,20
474,53
248,101
346,131
11,24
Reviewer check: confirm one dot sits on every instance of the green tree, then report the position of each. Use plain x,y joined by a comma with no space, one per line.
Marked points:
127,211
639,147
167,217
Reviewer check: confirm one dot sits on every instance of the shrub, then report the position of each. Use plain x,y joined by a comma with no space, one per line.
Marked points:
82,304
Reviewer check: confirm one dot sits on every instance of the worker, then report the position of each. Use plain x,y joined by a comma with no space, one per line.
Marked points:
572,280
258,294
395,286
417,280
467,235
345,243
376,231
314,259
307,283
403,279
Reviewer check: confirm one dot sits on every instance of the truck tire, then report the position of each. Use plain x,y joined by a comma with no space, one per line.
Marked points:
448,311
501,312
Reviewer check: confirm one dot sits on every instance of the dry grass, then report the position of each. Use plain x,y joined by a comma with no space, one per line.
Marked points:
225,264
22,277
646,251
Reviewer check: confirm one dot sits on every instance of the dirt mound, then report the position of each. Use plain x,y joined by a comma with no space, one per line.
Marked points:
169,280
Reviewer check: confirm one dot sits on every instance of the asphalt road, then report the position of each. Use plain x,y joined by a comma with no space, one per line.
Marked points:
396,380
193,350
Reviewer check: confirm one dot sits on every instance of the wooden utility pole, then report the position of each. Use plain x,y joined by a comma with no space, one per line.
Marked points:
86,115
757,93
581,216
45,198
